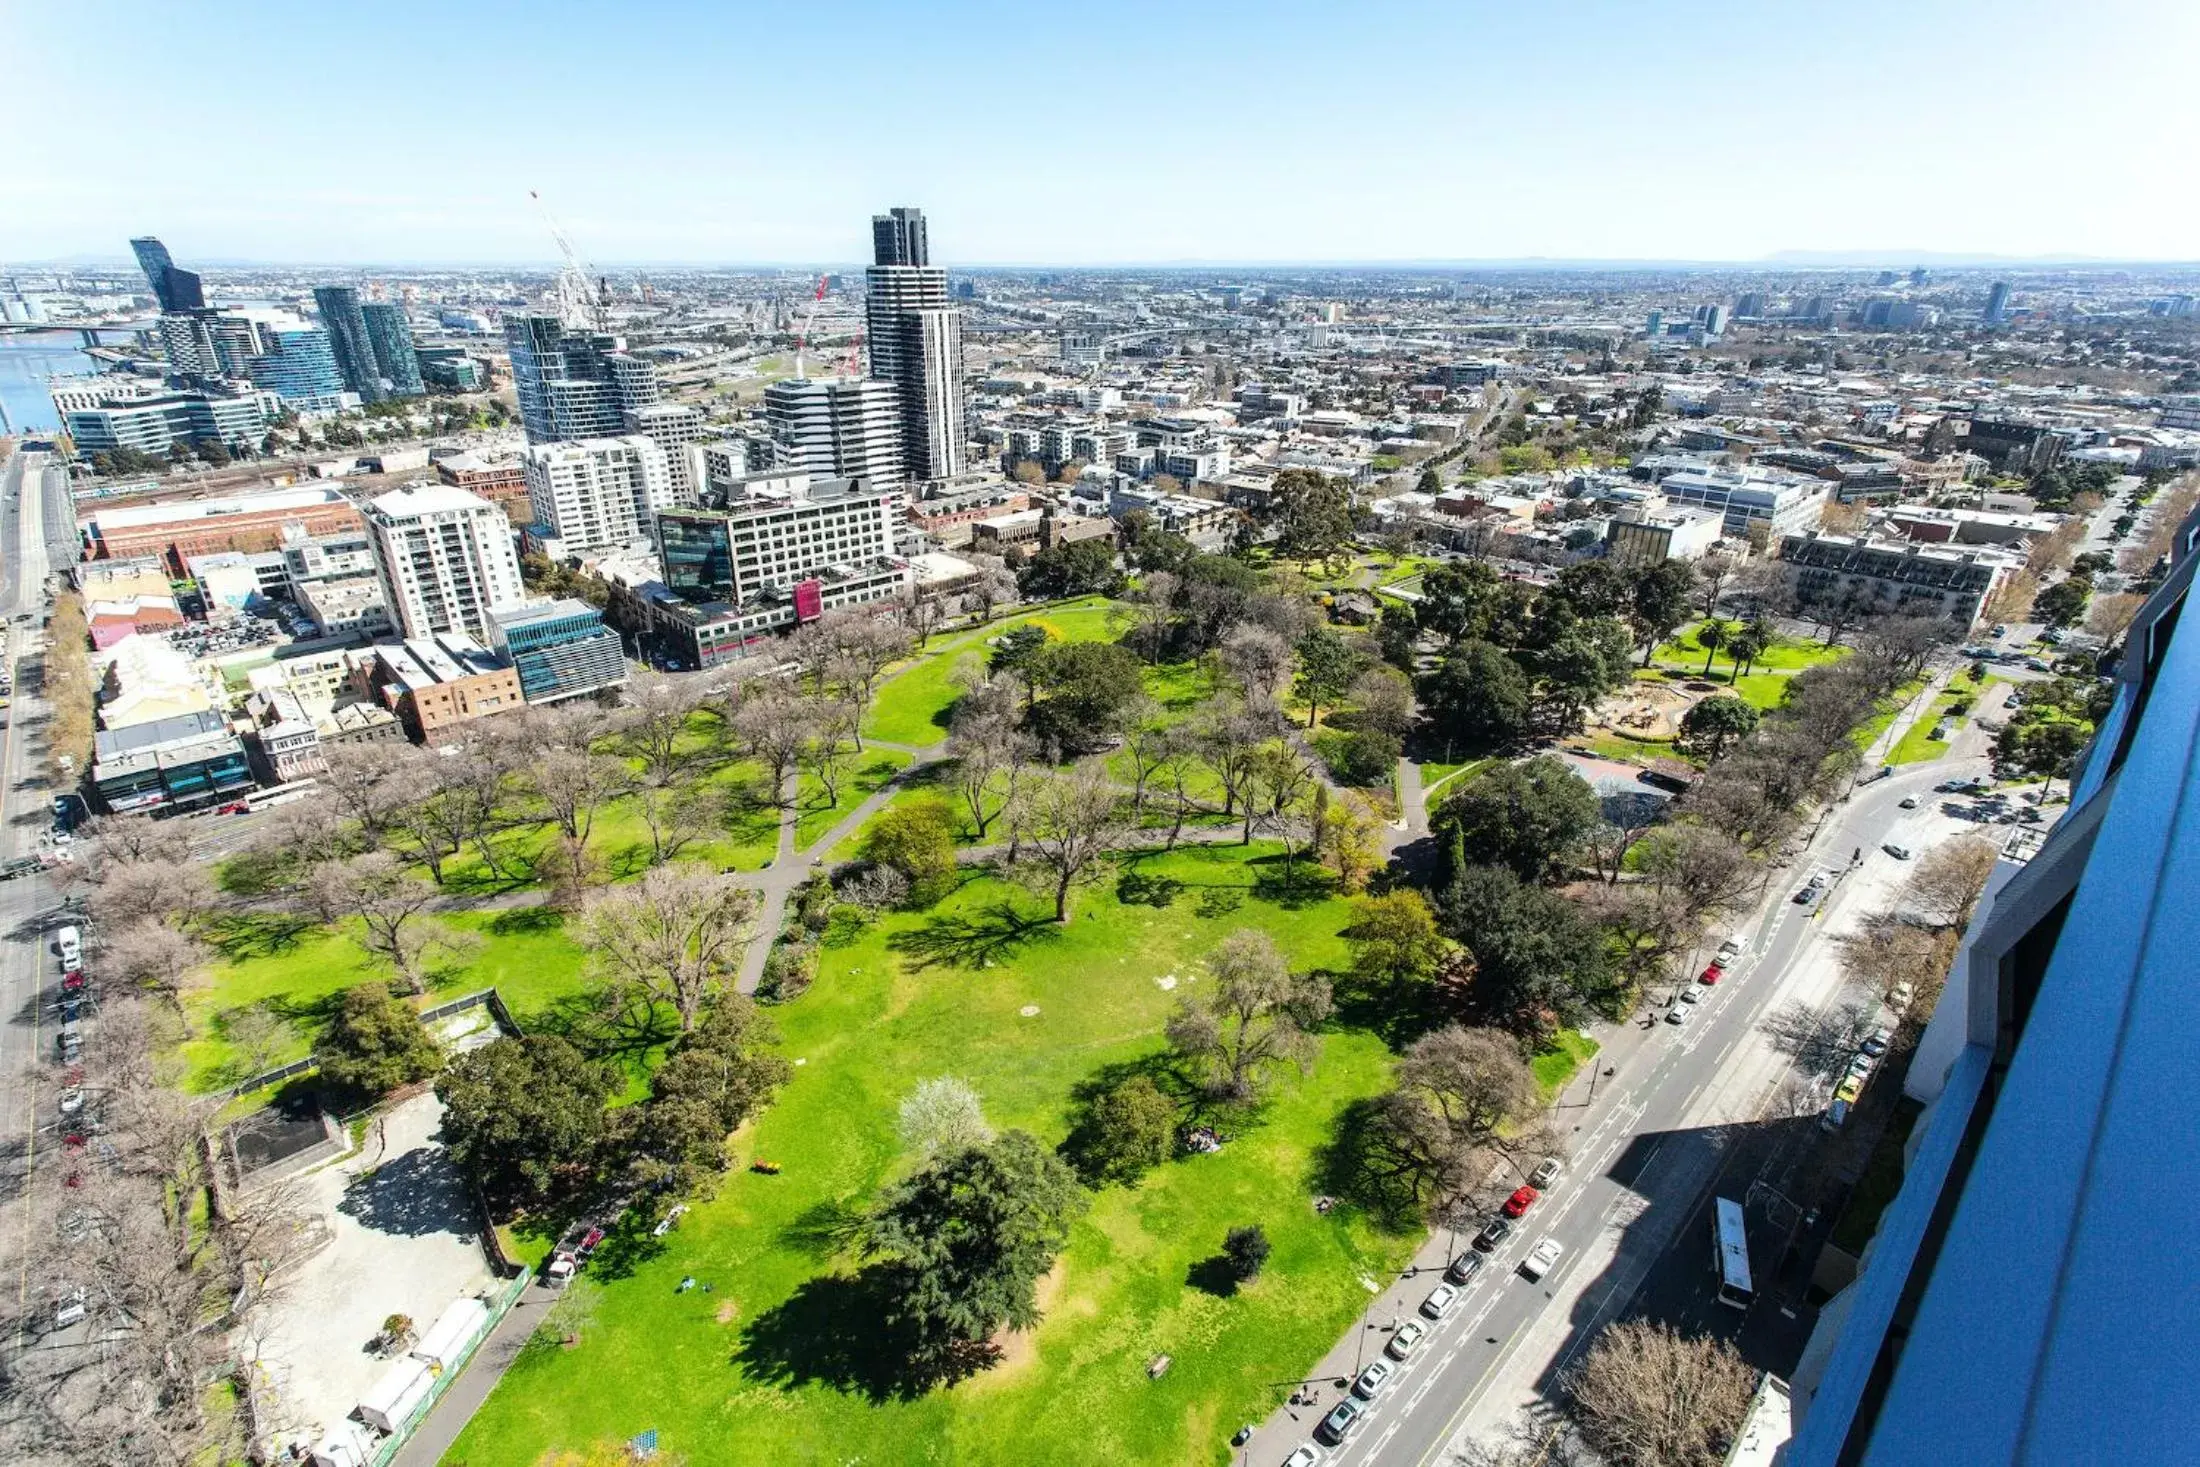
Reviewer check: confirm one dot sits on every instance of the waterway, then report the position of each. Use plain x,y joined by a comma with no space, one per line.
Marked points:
28,358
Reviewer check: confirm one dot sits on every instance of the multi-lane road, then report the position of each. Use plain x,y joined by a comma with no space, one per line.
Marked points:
1644,1145
37,535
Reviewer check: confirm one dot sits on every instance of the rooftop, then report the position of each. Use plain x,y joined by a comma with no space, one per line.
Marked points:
274,501
420,499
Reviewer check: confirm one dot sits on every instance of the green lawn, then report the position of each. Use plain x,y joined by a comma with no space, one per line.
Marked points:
1570,1050
911,707
1608,745
867,774
768,1366
1877,724
300,968
1918,745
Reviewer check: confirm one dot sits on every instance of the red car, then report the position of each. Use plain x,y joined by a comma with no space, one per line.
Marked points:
1521,1201
1712,974
73,981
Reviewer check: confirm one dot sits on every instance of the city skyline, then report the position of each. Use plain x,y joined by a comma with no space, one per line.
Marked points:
1704,134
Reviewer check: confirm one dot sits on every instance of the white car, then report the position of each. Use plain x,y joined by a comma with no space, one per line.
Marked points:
1730,949
1306,1455
1373,1379
1541,1258
1691,994
1678,1016
1546,1173
1439,1301
1404,1338
72,1101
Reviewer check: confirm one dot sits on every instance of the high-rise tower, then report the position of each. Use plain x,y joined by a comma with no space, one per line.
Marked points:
915,337
176,289
390,338
347,337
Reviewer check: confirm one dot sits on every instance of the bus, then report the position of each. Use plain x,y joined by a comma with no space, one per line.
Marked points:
1733,1248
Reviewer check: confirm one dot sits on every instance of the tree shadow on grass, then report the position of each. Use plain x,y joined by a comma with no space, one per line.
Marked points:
1398,1011
1135,888
823,1230
1354,1167
1213,1275
239,936
973,940
602,1033
630,1243
830,1332
526,921
1290,884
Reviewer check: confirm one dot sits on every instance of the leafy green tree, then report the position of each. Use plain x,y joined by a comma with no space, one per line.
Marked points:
1365,757
1478,695
375,1044
1017,648
718,1077
525,1117
1457,601
1130,1129
1579,666
1313,515
916,838
1327,664
1594,588
2063,604
1715,724
1079,568
1747,643
1660,600
1394,936
1245,1251
1529,817
1711,636
1087,688
1430,482
963,1244
2047,747
1538,965
1255,1014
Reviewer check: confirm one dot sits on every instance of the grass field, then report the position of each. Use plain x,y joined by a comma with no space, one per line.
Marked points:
867,774
1918,745
771,1365
1569,1051
911,707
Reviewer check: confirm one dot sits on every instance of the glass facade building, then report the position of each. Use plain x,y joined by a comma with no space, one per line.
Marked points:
298,365
347,332
560,650
390,338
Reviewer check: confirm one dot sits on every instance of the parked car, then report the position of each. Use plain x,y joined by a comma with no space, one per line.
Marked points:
72,1101
1909,802
1373,1379
1808,896
1521,1200
1541,1258
1899,1000
1900,853
1676,1016
1546,1172
1494,1232
1405,1337
1728,951
1304,1455
1462,1268
1439,1301
1691,995
1875,1044
1343,1419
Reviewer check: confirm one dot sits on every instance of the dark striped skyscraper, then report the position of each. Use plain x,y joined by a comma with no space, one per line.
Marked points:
347,337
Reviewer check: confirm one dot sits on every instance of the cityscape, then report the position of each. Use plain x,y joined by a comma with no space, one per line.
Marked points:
1491,847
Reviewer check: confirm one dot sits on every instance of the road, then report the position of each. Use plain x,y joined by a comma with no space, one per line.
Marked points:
37,528
1645,1146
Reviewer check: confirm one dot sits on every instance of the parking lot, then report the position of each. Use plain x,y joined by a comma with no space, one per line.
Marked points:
403,1239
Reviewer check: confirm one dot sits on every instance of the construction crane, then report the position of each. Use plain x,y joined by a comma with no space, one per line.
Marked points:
578,302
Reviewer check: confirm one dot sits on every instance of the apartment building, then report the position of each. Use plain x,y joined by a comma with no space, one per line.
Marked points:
596,493
837,428
1897,576
445,559
435,684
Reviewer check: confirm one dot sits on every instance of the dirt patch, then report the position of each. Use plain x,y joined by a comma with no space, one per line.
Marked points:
1019,1348
1645,710
728,1311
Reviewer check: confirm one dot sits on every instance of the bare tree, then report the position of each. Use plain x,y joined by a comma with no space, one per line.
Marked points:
678,817
1949,881
1146,745
1648,1396
772,724
355,780
154,887
850,651
1713,573
1147,615
1229,740
656,724
132,838
1278,779
1886,953
1382,697
833,743
1257,1014
387,903
157,956
1453,1105
1258,660
675,937
991,755
1069,821
943,1115
572,784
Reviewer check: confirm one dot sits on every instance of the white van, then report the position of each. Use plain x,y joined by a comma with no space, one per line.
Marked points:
70,944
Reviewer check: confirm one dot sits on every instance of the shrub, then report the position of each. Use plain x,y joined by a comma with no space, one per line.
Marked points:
1246,1250
788,973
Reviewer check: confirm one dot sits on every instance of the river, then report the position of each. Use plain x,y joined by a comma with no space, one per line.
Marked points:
28,358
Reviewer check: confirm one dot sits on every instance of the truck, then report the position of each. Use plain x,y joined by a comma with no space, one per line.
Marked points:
572,1254
20,866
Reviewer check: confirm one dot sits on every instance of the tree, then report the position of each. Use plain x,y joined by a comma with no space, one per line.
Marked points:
1017,649
572,784
1256,1015
1382,699
674,937
1478,696
1348,836
1394,936
831,745
155,955
1711,636
2063,603
1088,688
943,1115
1458,601
375,889
1130,1129
1079,568
1257,659
375,1044
1454,1094
1245,1251
848,652
990,756
657,723
677,816
1313,515
917,839
2040,746
963,1243
1713,725
718,1075
1537,964
1068,822
1948,882
1366,757
1327,663
525,1117
1648,1396
1659,601
1530,817
1578,666
772,725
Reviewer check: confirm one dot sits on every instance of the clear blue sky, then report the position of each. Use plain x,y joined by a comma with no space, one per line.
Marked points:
1101,132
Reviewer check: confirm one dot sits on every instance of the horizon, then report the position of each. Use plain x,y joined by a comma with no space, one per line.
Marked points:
1710,133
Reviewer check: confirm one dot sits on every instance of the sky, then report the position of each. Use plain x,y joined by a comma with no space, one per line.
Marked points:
1109,132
